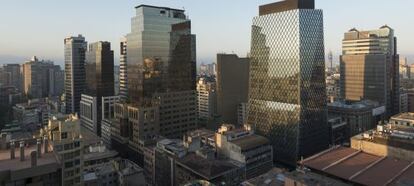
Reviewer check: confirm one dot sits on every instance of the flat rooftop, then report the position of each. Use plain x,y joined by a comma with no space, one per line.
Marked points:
310,178
399,138
274,177
250,141
206,168
365,104
158,7
361,168
404,116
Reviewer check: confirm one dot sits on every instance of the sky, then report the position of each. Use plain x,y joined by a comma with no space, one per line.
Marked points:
38,27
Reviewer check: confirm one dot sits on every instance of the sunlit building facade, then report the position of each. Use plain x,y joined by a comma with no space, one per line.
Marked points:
287,96
370,67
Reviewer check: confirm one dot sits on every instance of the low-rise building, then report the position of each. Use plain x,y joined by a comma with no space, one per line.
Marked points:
178,166
403,119
115,173
280,177
387,140
359,116
339,131
29,164
245,147
64,133
357,167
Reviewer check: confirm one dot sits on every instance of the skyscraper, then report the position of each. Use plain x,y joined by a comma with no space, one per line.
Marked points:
232,85
161,67
99,70
75,48
287,79
371,72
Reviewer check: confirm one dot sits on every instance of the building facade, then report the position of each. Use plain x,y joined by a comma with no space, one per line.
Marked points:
161,75
64,133
14,76
232,85
359,116
99,83
287,93
75,48
39,78
123,83
371,72
206,98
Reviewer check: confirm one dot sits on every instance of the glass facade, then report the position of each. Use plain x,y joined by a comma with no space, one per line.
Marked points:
287,83
161,68
160,53
99,70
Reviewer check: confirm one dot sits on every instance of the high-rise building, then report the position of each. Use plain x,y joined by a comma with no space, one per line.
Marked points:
371,72
161,66
160,53
38,78
99,70
287,96
232,85
75,48
123,83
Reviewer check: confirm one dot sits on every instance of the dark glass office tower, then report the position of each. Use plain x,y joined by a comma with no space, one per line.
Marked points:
75,48
287,79
99,83
100,69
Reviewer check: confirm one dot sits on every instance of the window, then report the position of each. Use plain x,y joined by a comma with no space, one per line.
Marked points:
64,135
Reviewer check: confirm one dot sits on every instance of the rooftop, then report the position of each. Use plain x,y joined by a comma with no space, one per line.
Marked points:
207,168
390,135
403,116
275,177
361,168
365,104
159,7
286,5
250,141
15,169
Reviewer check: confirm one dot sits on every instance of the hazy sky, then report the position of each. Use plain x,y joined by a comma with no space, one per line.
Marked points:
38,27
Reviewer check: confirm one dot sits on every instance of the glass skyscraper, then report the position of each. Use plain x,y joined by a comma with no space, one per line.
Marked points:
161,71
287,79
160,53
99,73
